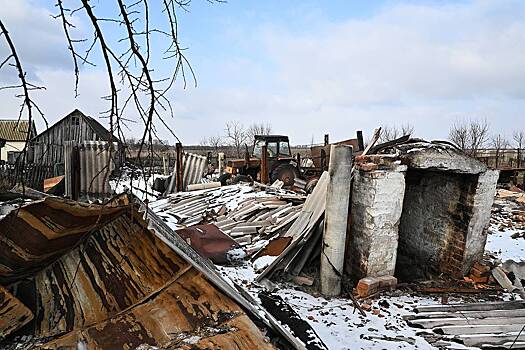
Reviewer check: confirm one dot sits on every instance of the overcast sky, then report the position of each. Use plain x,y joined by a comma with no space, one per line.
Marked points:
308,67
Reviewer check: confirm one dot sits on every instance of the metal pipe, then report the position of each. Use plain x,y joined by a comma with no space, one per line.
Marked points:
203,186
179,171
336,219
264,165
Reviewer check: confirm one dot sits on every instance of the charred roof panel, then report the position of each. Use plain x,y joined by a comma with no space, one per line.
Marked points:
116,283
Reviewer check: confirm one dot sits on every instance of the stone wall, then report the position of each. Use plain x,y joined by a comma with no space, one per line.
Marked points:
436,212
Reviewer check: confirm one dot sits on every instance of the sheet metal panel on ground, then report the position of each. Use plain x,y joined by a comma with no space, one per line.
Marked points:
110,282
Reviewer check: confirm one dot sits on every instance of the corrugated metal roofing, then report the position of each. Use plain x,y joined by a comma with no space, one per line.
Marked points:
115,276
14,130
193,168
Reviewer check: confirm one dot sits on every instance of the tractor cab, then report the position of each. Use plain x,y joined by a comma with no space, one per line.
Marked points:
277,146
280,163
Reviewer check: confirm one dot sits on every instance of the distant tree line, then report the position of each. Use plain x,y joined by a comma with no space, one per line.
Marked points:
236,136
473,136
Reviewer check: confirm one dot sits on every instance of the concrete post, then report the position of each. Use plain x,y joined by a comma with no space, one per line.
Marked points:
164,166
336,219
179,170
220,155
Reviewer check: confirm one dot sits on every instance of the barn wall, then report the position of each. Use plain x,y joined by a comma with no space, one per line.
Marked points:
48,147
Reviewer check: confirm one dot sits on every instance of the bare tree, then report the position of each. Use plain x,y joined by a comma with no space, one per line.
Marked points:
204,142
390,133
470,136
519,139
215,142
459,134
137,94
499,143
479,135
258,129
236,135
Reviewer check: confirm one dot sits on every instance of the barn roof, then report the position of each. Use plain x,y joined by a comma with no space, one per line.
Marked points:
97,128
15,130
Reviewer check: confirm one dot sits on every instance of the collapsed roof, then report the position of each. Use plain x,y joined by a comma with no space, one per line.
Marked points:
115,276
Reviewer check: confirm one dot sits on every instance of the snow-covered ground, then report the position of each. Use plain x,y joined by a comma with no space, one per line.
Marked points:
335,320
505,247
140,185
339,325
506,238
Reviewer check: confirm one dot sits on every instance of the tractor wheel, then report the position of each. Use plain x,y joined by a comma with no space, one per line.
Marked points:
286,173
225,178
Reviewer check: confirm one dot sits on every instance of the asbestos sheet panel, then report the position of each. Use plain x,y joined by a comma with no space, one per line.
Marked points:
13,314
209,241
302,228
194,168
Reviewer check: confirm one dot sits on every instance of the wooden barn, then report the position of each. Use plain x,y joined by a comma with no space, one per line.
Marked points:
47,148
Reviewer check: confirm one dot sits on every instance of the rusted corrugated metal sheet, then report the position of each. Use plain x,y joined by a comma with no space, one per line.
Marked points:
194,167
209,241
37,234
52,182
13,314
97,277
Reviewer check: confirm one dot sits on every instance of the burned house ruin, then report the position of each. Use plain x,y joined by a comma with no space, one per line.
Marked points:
418,209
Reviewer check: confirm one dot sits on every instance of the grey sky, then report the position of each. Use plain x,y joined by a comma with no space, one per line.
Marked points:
329,70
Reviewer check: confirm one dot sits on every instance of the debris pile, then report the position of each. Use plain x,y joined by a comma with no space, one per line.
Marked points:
115,276
508,212
387,234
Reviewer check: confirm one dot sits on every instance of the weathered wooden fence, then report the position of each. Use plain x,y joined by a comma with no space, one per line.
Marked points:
31,175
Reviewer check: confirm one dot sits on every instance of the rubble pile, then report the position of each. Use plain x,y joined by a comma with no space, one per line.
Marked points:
244,265
114,276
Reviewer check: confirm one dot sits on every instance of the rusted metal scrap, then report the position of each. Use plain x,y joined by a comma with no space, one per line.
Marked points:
113,277
36,234
13,314
209,241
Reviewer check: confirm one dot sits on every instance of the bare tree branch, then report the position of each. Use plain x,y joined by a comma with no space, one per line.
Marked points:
236,135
